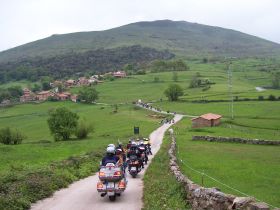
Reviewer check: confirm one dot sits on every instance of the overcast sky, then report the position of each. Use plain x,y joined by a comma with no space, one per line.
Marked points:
23,21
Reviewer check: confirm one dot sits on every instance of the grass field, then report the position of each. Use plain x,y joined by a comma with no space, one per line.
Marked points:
249,168
161,189
252,169
39,148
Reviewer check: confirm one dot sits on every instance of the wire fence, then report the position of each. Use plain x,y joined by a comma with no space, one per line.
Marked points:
203,174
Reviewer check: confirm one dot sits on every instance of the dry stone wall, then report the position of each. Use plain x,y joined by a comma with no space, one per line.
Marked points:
236,140
201,198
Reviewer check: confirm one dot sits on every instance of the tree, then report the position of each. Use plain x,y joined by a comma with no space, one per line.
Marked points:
88,95
15,91
36,88
62,123
173,92
175,76
46,85
195,82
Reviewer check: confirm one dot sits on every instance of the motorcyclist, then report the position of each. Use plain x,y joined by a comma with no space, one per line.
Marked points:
133,150
143,150
123,153
128,145
148,145
110,156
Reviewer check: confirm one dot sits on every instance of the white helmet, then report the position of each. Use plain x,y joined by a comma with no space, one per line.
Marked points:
110,150
111,145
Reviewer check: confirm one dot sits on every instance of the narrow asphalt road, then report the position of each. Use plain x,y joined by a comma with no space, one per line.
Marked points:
82,195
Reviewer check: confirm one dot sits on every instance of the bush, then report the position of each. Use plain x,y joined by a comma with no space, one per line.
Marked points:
173,92
271,98
62,122
9,136
83,129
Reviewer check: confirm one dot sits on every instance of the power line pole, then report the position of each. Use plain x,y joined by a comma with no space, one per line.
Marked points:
230,90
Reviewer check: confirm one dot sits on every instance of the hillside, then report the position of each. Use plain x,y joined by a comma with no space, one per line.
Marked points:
180,37
59,66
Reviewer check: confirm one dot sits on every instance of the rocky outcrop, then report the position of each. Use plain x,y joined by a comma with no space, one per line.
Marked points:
236,140
201,198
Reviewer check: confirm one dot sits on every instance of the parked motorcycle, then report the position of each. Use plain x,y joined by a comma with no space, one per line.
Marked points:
112,182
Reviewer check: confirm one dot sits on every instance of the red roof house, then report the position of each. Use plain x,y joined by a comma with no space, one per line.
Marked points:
206,120
43,95
28,95
119,74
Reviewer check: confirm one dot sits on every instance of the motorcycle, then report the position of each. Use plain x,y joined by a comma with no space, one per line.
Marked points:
112,182
133,166
148,149
144,155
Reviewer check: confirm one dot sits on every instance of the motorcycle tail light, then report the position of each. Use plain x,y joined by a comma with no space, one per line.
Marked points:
117,173
101,174
99,185
121,184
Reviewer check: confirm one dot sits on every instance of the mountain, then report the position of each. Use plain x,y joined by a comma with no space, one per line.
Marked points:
179,37
101,60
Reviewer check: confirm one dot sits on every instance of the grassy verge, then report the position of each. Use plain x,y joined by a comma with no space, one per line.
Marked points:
19,188
252,169
161,190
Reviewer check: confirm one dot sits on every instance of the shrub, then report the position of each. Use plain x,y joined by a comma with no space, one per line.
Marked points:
83,129
62,122
9,136
173,92
156,79
271,98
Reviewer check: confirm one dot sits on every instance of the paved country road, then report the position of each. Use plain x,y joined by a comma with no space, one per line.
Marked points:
82,195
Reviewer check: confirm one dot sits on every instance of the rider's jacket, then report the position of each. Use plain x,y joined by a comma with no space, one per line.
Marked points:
109,159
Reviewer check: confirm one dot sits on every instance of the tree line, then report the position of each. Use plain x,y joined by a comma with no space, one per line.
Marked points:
97,61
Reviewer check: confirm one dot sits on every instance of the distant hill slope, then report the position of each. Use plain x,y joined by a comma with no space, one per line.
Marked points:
179,37
60,66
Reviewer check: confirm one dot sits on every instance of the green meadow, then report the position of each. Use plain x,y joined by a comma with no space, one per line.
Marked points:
39,149
251,169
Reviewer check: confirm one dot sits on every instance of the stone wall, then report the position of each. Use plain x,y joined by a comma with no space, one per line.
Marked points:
201,198
236,140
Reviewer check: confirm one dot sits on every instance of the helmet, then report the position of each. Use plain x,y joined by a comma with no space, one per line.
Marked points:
133,144
119,151
110,150
111,145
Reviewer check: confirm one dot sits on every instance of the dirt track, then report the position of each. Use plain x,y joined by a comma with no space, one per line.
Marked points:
82,195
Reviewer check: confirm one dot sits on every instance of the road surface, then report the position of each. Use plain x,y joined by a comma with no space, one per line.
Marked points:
82,195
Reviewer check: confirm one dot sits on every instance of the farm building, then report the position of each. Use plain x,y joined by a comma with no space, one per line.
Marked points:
43,95
206,120
119,74
27,95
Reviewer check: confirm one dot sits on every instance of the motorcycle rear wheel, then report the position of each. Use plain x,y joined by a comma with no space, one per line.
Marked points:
112,197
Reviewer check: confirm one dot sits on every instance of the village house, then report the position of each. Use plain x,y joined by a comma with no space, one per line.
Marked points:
74,98
43,95
28,95
206,120
82,81
119,74
56,83
62,96
70,83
